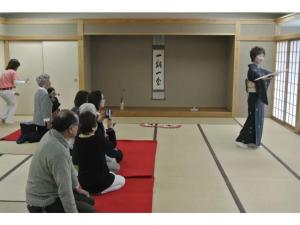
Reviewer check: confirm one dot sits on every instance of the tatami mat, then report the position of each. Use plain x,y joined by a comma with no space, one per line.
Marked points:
174,120
134,132
186,177
7,162
13,186
281,141
254,173
11,147
13,207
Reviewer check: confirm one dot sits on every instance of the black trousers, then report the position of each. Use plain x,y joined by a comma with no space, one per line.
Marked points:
84,205
31,133
41,130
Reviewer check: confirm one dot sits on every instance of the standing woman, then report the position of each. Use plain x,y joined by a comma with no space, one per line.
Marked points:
8,82
251,133
42,106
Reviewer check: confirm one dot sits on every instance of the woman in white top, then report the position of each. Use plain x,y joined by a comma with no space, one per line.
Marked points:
8,82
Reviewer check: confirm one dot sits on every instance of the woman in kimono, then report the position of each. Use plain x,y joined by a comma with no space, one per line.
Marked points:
251,133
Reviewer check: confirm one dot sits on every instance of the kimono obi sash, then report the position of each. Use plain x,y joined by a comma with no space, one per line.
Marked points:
250,86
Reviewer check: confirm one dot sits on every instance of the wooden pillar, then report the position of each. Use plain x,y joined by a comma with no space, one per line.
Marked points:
6,52
80,27
236,62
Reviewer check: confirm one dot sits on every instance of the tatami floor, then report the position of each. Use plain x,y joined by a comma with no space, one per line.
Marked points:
198,167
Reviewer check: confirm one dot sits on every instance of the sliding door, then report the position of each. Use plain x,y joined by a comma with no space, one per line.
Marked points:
286,84
61,63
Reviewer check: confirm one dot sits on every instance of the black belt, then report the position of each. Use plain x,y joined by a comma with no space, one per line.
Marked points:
36,209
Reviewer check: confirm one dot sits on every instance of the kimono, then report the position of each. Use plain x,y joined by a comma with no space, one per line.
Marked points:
251,132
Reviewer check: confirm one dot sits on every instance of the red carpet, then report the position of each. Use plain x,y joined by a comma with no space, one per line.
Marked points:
139,158
12,136
134,197
138,167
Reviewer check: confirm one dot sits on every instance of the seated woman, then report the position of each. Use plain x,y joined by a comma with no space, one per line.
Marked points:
111,150
89,155
112,164
42,115
55,102
29,132
53,96
80,98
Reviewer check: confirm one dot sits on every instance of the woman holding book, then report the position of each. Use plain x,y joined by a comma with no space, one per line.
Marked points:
251,133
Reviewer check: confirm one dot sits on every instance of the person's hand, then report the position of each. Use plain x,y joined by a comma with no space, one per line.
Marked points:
276,73
101,117
110,123
83,192
49,125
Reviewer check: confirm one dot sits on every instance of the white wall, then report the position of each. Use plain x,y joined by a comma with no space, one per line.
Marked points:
61,63
57,58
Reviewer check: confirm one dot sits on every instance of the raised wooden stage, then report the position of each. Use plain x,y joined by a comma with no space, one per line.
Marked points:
169,112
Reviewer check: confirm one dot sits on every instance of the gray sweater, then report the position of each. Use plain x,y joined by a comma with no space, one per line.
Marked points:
52,173
42,107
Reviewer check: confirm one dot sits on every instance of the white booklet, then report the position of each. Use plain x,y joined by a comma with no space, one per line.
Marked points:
271,75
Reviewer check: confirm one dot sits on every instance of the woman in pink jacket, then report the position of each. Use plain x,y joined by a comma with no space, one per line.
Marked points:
8,82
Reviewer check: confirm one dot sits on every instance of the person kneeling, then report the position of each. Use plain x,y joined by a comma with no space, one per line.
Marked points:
89,155
52,184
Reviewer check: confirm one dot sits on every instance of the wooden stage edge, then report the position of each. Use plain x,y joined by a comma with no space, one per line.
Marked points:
169,112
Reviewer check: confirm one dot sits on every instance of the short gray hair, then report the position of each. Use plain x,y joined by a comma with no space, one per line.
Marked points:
88,107
41,79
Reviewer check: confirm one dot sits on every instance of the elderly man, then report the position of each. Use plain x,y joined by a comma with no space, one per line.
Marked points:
52,184
42,106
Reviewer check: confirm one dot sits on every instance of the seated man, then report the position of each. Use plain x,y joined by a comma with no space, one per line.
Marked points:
52,184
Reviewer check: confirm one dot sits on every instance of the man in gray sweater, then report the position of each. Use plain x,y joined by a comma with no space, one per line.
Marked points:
52,184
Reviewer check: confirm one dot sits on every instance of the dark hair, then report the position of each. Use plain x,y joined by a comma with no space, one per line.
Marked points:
64,120
13,64
55,105
95,98
50,89
256,51
80,98
87,121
